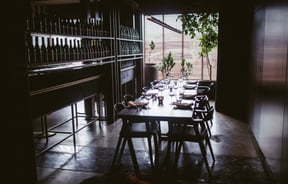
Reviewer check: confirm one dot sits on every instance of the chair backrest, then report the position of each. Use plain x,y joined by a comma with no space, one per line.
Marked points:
193,82
202,101
118,107
155,82
127,98
145,89
203,90
211,85
209,114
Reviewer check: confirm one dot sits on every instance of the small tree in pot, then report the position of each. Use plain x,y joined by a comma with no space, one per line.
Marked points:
152,47
186,68
151,72
166,65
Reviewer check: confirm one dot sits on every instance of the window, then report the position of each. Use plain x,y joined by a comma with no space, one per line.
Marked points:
180,45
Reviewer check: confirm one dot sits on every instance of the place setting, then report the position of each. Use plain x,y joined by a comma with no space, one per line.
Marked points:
181,103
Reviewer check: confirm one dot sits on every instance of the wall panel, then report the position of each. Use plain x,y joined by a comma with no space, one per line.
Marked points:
268,117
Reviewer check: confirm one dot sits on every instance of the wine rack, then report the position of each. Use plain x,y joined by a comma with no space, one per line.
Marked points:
129,43
68,40
53,42
129,50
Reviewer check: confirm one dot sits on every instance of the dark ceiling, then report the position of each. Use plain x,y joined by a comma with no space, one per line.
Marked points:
177,6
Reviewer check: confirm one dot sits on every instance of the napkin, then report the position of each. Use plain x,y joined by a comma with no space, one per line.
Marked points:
189,94
152,92
190,86
137,103
182,105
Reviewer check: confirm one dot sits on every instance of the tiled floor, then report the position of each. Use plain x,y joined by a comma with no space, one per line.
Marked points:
89,162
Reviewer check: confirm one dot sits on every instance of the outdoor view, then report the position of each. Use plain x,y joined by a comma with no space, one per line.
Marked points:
181,47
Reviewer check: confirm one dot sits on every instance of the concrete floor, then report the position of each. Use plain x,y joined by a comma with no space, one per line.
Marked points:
90,160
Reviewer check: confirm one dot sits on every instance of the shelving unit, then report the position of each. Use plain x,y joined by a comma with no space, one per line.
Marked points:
86,50
55,51
129,46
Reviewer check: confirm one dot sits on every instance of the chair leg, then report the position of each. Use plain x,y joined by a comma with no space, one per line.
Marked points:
122,149
179,145
133,155
208,128
168,152
150,151
203,151
210,147
155,138
117,151
159,132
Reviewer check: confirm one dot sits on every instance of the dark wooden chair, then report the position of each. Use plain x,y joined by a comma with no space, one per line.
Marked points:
131,130
193,132
127,98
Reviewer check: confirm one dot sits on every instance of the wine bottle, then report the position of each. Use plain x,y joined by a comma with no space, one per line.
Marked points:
44,51
99,53
72,50
59,51
78,50
29,50
66,50
55,51
37,51
50,51
78,27
62,52
93,48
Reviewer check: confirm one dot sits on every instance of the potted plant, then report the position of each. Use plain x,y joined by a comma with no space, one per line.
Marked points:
186,68
151,72
166,65
152,47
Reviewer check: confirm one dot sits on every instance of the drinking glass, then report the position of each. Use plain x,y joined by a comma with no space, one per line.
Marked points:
161,88
180,82
179,98
171,94
148,97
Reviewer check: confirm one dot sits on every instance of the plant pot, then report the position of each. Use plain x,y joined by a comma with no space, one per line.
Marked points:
150,73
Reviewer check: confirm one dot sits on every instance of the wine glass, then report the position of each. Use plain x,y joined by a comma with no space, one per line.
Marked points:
171,94
145,89
179,98
180,82
161,88
148,96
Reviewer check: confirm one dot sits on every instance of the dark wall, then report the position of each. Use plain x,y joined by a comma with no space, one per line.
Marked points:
269,94
235,25
17,150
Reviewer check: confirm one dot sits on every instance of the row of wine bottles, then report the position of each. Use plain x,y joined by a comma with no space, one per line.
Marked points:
129,48
44,23
129,33
47,50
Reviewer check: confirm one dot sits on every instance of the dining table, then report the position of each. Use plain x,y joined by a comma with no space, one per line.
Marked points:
171,110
